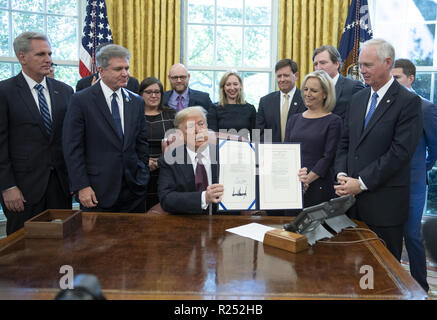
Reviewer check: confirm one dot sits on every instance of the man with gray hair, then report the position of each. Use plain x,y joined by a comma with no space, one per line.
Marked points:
328,58
33,176
105,144
381,133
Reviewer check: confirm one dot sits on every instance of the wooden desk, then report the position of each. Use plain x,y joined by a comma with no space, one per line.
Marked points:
193,257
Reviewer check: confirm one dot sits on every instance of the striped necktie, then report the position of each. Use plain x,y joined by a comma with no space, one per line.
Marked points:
44,108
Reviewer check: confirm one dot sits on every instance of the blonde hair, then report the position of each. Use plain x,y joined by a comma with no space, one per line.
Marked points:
186,113
327,87
223,99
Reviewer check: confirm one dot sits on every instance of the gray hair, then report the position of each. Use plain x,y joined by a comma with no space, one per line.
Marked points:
22,41
327,86
186,113
383,48
111,51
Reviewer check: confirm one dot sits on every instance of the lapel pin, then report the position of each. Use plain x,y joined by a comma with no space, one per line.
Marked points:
295,103
388,101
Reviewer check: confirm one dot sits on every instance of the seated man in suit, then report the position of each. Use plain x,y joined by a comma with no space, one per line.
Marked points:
328,58
88,81
181,96
276,108
188,173
105,140
423,160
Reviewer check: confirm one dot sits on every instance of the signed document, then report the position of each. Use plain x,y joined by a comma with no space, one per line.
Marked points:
278,186
237,174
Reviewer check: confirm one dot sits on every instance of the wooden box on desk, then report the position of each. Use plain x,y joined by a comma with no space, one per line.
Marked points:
53,223
286,240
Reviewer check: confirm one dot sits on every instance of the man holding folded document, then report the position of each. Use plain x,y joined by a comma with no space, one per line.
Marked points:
188,176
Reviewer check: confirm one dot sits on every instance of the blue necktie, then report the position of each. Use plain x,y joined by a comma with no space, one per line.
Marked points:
44,108
371,109
116,115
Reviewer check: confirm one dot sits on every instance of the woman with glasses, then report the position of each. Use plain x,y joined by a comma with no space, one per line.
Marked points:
233,113
159,119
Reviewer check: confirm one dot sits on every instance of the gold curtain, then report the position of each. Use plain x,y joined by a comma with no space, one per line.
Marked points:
305,25
151,31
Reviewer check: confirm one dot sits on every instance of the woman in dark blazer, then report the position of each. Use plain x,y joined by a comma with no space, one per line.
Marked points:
232,111
159,119
318,130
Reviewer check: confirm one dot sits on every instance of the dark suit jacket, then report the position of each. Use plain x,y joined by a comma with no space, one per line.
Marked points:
27,151
197,98
269,113
95,154
344,89
176,187
381,153
426,152
132,83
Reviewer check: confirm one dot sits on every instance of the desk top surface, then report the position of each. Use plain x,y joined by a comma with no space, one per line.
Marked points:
193,257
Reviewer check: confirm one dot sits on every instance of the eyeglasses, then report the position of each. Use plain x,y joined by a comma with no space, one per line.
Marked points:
152,91
176,78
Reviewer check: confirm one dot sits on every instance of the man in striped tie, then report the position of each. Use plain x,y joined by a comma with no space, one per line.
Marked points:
33,175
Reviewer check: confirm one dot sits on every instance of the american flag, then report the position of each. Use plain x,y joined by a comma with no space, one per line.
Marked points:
357,29
96,30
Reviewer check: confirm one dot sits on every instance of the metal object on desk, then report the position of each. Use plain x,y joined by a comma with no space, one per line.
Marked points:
333,212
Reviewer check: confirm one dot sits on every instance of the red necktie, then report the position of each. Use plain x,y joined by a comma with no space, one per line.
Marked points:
200,179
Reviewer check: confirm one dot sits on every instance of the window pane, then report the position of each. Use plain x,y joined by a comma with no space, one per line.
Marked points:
25,22
256,85
17,68
230,12
422,84
229,46
200,45
3,3
63,37
427,9
200,11
28,5
218,76
67,74
258,12
257,47
431,203
202,80
421,44
64,7
4,33
5,71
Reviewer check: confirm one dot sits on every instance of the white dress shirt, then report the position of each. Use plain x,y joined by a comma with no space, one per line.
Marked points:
290,97
34,91
107,92
206,160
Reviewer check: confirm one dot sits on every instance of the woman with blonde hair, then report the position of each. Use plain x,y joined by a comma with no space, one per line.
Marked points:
232,111
318,130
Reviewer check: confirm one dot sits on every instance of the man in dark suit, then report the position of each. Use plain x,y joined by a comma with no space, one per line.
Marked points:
33,176
88,81
423,160
105,144
382,128
276,108
328,58
188,175
181,96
